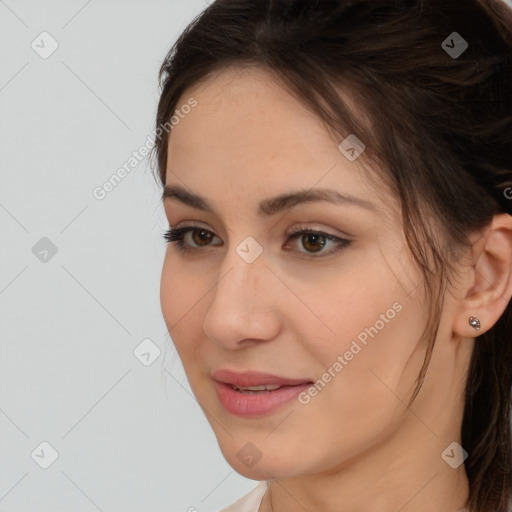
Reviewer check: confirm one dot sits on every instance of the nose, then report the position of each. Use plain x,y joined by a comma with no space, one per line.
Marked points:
243,307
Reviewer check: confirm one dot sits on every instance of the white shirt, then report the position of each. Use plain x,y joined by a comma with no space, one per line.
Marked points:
250,502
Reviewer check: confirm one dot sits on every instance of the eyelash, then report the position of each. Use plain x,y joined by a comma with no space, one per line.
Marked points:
177,235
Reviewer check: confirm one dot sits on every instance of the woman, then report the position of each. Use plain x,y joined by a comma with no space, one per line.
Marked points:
338,184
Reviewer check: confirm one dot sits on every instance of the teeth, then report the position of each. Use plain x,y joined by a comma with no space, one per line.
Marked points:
266,387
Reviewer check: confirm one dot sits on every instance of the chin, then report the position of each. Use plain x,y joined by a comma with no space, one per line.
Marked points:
257,472
259,463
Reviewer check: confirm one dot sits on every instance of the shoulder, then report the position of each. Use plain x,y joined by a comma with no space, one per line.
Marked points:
250,502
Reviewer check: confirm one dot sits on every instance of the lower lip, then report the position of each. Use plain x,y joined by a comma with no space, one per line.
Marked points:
246,406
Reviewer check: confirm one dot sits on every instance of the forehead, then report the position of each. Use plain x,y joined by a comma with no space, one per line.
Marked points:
246,108
249,131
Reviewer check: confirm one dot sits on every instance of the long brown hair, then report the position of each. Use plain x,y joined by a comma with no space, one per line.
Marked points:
438,132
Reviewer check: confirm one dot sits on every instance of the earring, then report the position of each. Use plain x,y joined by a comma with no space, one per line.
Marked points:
474,322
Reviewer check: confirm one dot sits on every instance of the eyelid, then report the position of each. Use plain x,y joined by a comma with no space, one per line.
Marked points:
289,232
316,229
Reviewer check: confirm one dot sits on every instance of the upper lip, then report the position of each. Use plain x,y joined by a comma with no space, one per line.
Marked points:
254,378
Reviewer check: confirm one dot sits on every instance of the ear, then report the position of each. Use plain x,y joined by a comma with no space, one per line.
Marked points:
488,288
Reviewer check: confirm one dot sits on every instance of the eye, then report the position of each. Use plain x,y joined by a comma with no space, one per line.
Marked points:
200,236
313,241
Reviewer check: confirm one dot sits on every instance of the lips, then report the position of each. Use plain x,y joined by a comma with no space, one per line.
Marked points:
253,378
241,395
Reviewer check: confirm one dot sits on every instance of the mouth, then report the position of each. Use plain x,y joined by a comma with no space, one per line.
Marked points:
252,393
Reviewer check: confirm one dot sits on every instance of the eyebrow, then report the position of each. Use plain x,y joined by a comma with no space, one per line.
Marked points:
273,205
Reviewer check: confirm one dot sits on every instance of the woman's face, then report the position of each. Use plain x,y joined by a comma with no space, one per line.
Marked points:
246,297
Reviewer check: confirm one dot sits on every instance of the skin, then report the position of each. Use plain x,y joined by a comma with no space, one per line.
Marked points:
355,446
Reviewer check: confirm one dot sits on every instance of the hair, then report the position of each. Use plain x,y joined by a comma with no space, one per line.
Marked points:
438,132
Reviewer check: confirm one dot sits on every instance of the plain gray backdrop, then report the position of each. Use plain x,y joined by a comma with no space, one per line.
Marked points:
129,437
95,410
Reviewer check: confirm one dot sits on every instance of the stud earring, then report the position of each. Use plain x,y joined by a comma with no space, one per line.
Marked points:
474,322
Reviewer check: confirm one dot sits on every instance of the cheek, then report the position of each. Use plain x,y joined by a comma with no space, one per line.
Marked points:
363,341
360,401
180,296
181,289
169,291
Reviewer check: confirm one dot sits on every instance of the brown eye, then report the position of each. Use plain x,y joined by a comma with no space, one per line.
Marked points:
201,237
310,242
313,242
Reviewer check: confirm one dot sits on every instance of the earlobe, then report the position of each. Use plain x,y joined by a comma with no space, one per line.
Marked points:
487,298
